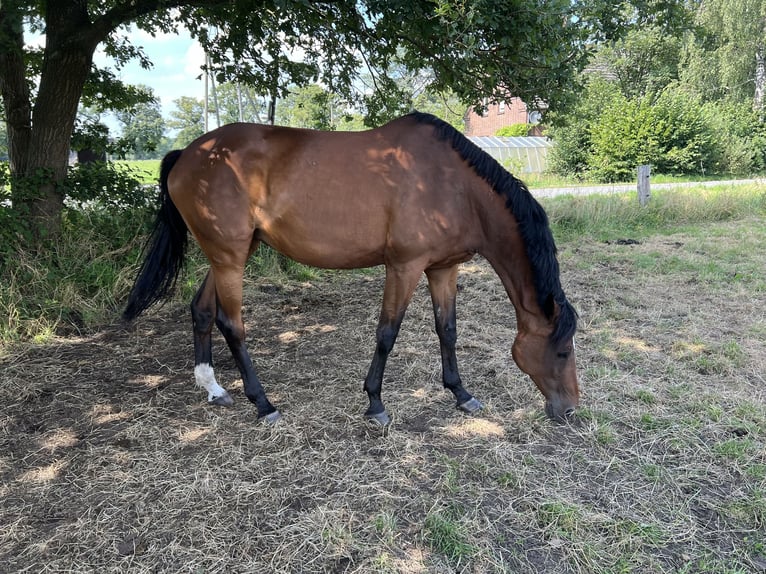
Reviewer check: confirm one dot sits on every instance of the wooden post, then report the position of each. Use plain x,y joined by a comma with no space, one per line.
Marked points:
643,184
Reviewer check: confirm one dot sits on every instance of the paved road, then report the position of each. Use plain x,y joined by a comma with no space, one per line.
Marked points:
622,188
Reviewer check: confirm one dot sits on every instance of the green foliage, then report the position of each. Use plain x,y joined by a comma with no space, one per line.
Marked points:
610,135
238,102
90,135
142,129
738,143
514,130
310,107
107,186
82,277
682,131
622,139
668,131
3,142
644,61
75,281
719,61
188,119
572,132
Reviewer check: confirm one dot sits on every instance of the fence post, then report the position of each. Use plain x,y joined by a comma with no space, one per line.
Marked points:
643,184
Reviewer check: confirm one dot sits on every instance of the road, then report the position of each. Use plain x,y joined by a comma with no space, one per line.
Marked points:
622,188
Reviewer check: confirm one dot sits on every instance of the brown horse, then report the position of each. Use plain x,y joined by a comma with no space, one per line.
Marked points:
414,195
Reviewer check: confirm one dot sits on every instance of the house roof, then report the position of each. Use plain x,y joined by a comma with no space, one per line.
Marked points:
486,142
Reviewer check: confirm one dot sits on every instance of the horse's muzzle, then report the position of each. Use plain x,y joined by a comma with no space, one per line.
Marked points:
559,413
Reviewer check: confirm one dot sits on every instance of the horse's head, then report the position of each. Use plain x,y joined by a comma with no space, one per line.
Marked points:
551,365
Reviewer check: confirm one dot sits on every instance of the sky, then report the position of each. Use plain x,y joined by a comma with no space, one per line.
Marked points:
176,72
177,60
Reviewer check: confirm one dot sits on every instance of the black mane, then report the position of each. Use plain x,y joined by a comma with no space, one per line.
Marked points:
531,218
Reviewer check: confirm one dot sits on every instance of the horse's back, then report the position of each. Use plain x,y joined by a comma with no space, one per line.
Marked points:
329,199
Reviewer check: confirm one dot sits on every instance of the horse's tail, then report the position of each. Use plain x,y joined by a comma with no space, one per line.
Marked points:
163,253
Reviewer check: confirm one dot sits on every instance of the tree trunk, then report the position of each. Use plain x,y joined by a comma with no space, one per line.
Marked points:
38,138
14,89
760,81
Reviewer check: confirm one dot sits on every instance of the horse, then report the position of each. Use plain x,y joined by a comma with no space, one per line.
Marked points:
414,195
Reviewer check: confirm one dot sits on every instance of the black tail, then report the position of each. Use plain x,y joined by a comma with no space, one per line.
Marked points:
164,251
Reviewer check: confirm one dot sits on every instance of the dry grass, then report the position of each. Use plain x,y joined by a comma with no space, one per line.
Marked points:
112,462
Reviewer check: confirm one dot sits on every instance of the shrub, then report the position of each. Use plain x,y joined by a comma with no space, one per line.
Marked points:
572,133
514,130
668,131
738,138
608,135
623,138
107,185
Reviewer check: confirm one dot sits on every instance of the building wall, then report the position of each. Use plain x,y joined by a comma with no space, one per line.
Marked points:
496,116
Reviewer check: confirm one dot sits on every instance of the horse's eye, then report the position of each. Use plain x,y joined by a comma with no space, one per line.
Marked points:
564,355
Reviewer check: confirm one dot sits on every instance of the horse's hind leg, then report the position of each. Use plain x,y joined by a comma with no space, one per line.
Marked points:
228,287
443,286
203,310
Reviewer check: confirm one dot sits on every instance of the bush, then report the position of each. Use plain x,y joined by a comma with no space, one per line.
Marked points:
608,135
614,134
512,131
623,139
668,131
738,138
105,184
572,133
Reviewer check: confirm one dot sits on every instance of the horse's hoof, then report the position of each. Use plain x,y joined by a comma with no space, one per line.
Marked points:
224,400
381,419
272,418
471,406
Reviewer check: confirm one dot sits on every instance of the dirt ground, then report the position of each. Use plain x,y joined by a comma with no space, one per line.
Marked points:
111,461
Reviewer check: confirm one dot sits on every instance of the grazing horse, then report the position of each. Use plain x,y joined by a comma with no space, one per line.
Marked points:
413,195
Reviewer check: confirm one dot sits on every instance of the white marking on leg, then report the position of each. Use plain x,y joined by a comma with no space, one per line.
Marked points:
205,378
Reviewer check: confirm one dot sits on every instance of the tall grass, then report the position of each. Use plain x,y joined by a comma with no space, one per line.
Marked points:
82,280
609,217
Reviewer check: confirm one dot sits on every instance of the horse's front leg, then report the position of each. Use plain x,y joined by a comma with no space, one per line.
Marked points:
400,284
203,310
443,286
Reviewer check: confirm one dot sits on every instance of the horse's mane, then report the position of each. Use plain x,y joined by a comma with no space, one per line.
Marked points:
530,217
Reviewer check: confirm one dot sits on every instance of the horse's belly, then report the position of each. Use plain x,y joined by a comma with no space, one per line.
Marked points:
329,248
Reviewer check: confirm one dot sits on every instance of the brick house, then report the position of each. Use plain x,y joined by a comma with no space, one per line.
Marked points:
499,115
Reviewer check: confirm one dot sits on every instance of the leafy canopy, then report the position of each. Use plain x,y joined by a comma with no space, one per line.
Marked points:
474,47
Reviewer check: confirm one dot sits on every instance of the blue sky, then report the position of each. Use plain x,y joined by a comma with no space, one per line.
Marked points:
177,60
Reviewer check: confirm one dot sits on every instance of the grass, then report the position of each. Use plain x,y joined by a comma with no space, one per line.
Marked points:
620,217
111,461
145,170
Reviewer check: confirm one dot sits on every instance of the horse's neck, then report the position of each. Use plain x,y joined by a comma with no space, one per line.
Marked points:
506,252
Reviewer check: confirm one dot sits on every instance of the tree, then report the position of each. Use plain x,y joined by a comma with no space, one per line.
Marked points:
188,119
142,128
531,49
644,59
308,107
728,58
240,103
